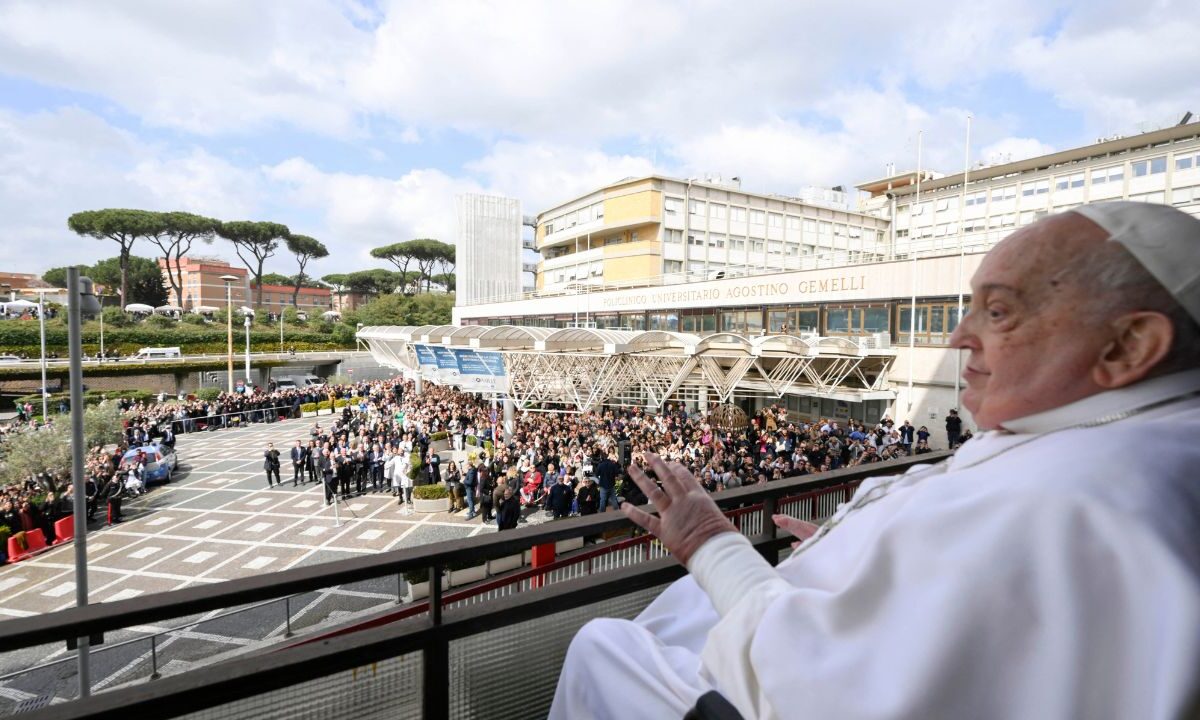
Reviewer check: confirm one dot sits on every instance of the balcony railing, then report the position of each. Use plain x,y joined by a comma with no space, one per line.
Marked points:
450,656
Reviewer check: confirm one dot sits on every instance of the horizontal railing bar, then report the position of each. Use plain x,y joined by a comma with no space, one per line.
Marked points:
92,619
257,674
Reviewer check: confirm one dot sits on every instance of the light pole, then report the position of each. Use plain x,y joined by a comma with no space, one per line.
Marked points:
229,280
101,314
248,383
80,301
281,330
42,325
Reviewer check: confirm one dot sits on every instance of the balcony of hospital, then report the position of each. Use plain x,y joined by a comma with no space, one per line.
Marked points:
489,649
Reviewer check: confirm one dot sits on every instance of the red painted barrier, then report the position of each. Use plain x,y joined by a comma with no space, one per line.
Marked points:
35,540
16,548
64,529
543,555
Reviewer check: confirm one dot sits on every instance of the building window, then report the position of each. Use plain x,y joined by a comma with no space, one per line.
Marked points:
1187,162
1068,182
695,240
793,223
934,322
976,198
798,320
1004,193
672,267
1151,166
856,320
738,215
775,220
756,246
742,322
775,247
672,236
943,204
1039,187
736,244
757,217
664,321
716,212
717,241
672,206
696,207
633,237
1115,173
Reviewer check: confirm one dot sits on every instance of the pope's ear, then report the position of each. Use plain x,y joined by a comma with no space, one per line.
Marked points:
1140,341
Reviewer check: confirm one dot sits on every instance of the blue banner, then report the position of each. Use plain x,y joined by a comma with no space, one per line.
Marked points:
445,358
469,363
494,362
425,355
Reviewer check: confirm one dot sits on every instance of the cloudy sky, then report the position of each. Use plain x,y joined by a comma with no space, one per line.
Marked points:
358,121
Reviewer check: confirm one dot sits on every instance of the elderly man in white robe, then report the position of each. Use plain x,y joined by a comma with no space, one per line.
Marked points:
1049,569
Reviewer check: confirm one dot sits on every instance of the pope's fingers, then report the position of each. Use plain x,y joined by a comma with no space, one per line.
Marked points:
685,478
653,493
797,527
642,518
666,475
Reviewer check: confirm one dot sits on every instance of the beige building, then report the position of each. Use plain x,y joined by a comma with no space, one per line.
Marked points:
801,268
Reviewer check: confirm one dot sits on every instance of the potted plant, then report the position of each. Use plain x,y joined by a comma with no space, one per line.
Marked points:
5,534
418,583
439,441
465,572
431,498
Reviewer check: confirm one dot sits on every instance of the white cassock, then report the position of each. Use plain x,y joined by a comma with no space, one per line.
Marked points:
1045,572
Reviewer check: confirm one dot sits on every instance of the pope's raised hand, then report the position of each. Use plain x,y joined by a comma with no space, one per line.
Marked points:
687,516
801,529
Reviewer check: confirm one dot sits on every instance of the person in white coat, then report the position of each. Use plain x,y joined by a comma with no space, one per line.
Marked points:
1049,569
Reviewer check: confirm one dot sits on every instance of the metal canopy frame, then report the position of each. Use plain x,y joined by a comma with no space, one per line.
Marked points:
578,369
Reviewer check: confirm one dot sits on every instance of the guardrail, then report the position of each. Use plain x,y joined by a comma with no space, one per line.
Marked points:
237,358
536,594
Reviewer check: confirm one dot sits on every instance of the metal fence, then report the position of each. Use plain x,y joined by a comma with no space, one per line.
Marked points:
611,580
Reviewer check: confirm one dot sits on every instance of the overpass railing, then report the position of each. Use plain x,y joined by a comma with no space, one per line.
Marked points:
453,655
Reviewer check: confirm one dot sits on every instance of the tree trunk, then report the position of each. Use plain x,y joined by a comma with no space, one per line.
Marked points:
125,274
299,282
258,284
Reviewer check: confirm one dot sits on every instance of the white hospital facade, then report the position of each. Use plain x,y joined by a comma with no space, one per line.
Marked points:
702,258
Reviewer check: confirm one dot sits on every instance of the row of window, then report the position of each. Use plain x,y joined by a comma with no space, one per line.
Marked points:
595,211
1073,181
932,323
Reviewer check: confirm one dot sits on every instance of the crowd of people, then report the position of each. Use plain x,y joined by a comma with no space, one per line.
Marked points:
557,462
387,438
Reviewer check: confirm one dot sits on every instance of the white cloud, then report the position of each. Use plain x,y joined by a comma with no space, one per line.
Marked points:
1011,149
360,212
1125,71
212,67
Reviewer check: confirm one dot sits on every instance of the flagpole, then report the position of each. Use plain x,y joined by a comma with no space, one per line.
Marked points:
962,207
912,316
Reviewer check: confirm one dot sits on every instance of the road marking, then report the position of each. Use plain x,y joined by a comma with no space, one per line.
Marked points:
358,507
144,553
259,527
10,583
197,558
370,535
259,562
206,524
306,503
313,531
60,589
258,501
160,521
123,595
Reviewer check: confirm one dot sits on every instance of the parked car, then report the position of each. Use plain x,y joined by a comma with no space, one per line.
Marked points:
9,359
160,463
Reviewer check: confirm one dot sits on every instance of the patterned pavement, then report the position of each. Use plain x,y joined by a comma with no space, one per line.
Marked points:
216,521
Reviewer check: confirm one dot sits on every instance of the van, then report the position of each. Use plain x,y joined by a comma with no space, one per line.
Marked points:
161,353
311,381
286,383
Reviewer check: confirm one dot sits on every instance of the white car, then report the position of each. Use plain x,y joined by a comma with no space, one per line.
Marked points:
9,359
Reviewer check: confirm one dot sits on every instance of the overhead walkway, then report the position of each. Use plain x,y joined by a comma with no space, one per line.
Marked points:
578,369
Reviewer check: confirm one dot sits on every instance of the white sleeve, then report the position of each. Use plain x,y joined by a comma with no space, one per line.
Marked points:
1039,607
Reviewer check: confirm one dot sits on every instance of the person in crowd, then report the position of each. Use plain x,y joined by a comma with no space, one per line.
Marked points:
588,496
299,455
562,495
508,512
470,484
953,429
271,464
989,585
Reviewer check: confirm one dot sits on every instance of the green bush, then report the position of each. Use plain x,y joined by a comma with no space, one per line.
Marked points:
324,405
414,465
194,319
435,491
161,322
438,436
489,447
472,440
5,534
308,407
208,394
341,402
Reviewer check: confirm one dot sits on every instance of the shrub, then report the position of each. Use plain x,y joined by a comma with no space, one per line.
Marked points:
194,319
340,403
308,407
5,534
414,466
439,435
435,491
489,447
208,394
160,322
324,405
472,440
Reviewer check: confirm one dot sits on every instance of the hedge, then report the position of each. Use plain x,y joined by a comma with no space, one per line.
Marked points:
209,393
438,436
472,440
414,465
431,492
90,397
340,403
126,368
308,407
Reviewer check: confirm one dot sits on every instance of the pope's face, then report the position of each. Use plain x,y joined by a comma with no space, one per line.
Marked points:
1031,343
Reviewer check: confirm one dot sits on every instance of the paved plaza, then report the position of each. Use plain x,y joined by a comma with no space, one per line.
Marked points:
216,521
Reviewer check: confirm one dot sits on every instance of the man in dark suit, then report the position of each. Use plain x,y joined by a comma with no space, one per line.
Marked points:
298,452
168,437
271,464
509,511
328,472
607,471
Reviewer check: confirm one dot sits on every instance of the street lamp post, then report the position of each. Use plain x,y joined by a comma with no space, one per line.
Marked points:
248,383
80,301
42,324
229,280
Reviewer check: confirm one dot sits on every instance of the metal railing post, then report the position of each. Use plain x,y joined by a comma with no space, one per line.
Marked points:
154,658
287,611
768,529
435,675
399,588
